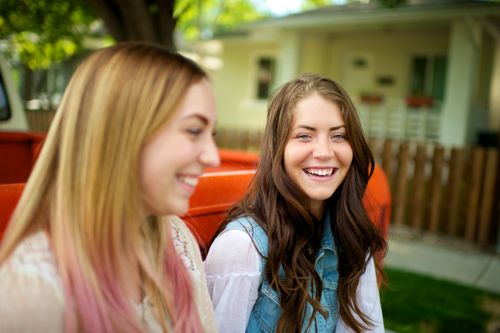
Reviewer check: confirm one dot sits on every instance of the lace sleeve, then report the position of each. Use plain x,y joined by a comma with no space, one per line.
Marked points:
188,249
31,298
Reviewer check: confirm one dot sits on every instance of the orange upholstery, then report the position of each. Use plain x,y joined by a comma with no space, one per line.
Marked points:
18,151
235,160
215,193
218,190
377,200
9,196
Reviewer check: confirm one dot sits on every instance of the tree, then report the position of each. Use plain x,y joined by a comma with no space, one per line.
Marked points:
313,4
156,20
146,20
41,32
202,19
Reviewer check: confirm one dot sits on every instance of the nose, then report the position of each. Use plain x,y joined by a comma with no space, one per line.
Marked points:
322,150
210,155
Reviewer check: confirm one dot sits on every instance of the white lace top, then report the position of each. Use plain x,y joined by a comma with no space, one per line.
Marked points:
31,291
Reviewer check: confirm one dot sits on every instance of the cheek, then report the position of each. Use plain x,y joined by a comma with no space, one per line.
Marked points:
290,158
156,169
294,155
345,155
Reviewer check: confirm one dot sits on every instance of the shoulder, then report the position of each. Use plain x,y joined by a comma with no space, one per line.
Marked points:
31,293
256,233
185,243
187,248
233,252
180,230
33,258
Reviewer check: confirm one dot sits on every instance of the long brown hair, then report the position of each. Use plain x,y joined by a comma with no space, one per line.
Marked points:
277,205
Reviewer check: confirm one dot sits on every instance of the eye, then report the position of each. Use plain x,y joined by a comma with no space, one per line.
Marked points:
194,131
339,137
303,137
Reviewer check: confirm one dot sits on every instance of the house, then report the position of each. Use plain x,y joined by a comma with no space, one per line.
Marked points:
426,70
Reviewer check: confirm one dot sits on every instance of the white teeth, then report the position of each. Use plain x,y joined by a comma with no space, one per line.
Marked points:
320,172
191,181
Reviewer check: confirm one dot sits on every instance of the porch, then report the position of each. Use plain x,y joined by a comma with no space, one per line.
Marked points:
393,118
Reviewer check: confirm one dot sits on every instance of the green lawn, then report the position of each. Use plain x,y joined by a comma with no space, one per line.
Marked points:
414,303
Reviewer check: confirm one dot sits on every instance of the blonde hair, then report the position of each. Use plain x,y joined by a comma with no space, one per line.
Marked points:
84,191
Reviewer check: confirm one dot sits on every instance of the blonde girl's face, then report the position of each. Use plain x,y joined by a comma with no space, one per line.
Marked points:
317,155
173,160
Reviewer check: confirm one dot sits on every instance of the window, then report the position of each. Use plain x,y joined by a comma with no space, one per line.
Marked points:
265,76
428,76
4,102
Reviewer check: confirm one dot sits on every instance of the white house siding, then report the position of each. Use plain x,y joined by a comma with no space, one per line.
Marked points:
389,44
235,86
315,54
391,52
461,79
494,119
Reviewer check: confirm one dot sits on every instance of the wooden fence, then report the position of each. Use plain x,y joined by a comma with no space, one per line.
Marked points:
39,120
449,191
435,189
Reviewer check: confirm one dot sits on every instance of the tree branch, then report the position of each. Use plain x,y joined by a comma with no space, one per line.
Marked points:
110,12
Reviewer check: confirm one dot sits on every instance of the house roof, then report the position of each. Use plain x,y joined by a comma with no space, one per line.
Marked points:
359,15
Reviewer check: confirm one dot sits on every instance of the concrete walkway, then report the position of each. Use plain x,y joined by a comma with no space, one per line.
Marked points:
441,258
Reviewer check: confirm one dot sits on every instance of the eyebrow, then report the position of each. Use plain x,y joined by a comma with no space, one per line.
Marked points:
335,128
200,117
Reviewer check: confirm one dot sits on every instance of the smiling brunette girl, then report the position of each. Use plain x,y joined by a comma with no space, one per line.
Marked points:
296,254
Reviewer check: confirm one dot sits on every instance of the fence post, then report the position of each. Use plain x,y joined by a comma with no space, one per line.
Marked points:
473,191
387,159
456,170
418,187
487,195
401,183
435,188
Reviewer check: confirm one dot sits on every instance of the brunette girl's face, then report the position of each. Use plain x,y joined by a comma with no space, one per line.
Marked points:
317,155
174,159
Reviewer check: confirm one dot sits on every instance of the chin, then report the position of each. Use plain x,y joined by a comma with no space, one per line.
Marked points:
179,209
320,196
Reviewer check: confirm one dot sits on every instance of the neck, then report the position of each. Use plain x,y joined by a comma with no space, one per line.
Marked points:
317,208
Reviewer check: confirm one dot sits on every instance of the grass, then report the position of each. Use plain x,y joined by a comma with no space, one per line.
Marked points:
414,303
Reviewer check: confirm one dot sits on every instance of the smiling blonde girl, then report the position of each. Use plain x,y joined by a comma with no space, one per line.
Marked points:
90,246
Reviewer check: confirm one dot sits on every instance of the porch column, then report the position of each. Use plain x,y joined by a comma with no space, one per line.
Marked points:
289,58
460,82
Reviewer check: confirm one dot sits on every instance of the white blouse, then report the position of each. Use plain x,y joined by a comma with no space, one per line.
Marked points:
31,290
233,274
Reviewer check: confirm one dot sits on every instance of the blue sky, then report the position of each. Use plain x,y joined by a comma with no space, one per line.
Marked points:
282,7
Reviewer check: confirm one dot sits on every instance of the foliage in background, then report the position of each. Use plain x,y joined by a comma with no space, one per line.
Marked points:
414,303
198,19
392,3
314,4
40,32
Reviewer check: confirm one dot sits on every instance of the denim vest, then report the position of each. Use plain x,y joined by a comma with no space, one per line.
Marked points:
266,311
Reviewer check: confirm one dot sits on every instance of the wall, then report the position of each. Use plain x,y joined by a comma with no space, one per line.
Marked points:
391,52
235,85
494,120
314,54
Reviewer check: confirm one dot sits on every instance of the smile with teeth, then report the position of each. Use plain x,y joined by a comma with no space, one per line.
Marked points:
188,180
326,172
